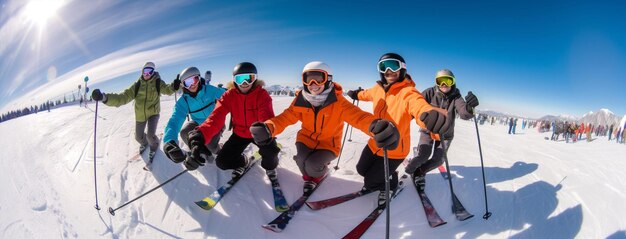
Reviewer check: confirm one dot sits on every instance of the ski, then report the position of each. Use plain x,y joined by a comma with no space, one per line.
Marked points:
280,223
434,220
443,171
209,202
337,200
360,229
280,203
459,210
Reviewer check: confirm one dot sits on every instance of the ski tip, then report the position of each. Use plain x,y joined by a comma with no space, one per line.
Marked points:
464,216
436,224
206,204
272,227
311,206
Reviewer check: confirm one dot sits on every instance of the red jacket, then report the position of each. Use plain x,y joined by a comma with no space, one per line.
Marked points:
244,110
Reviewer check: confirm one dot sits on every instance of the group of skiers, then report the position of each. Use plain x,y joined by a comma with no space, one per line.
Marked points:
320,107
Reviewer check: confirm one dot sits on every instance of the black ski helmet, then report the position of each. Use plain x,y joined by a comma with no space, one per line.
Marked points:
397,57
244,68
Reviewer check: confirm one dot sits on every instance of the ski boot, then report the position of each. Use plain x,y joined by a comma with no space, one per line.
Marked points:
239,171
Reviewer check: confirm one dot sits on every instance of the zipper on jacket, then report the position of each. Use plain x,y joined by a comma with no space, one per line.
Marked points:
145,114
314,122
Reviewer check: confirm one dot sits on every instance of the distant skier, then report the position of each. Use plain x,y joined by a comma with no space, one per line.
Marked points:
146,92
198,100
322,109
447,96
395,99
247,102
511,125
611,132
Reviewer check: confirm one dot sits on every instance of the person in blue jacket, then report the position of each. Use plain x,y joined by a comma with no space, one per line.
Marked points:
198,100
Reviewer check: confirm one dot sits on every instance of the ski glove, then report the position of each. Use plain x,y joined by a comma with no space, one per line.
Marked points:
261,133
354,94
386,134
176,83
98,96
173,152
436,121
471,100
199,151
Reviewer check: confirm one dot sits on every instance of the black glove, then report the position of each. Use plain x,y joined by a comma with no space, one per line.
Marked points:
173,152
436,121
98,96
471,101
199,151
176,83
354,94
260,133
386,134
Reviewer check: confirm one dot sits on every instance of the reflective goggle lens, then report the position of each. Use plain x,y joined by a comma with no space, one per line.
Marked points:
391,64
240,79
447,81
148,71
192,80
317,77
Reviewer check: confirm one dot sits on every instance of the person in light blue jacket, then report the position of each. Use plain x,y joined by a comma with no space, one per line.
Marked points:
198,100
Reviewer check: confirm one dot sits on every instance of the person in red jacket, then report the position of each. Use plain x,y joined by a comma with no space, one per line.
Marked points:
322,109
247,102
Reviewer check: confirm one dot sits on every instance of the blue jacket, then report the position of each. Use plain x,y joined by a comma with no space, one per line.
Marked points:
199,107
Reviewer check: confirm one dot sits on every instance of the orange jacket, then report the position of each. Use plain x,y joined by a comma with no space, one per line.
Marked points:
322,128
400,103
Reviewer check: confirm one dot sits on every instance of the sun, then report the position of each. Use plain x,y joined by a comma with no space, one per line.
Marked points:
40,11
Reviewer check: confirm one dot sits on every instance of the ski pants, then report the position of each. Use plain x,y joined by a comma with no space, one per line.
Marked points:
230,156
212,145
421,164
372,168
149,138
312,162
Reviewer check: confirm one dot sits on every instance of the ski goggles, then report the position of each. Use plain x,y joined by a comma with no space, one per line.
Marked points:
192,80
391,64
317,77
243,78
148,71
444,81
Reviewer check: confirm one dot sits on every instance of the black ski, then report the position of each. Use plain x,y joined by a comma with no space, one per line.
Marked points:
459,210
280,223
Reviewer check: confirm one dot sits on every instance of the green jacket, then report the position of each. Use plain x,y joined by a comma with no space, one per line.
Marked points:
148,100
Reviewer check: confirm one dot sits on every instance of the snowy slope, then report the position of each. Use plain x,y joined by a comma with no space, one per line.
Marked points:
537,188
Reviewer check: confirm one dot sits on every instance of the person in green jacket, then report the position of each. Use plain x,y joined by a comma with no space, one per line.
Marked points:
146,92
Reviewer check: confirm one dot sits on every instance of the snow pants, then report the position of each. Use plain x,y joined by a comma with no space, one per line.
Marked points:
372,168
212,145
312,163
149,138
421,164
230,156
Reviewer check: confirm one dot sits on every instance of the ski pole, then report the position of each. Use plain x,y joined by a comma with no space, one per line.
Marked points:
342,143
95,181
445,157
482,167
357,105
387,189
112,211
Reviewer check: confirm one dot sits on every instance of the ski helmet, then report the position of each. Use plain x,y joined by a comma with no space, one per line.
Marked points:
318,66
149,64
396,57
244,68
445,73
189,72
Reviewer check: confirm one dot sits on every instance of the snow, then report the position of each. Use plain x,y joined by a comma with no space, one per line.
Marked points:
537,188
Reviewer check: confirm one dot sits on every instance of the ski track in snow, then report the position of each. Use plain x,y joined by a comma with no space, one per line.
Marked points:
537,188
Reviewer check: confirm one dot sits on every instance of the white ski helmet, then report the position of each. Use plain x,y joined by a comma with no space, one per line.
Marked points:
319,66
188,72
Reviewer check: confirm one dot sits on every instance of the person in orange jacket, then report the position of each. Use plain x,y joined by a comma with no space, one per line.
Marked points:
322,109
395,99
247,102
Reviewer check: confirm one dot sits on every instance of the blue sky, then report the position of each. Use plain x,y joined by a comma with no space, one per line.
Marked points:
530,58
